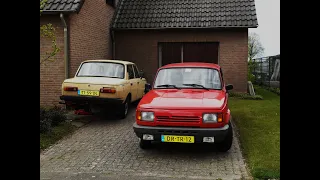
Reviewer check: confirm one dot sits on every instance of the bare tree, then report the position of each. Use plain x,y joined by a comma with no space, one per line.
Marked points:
255,47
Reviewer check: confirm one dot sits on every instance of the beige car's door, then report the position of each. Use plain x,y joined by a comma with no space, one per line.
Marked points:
140,82
133,82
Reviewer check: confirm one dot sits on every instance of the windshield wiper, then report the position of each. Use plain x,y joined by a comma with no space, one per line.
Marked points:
112,77
89,76
99,76
168,85
196,85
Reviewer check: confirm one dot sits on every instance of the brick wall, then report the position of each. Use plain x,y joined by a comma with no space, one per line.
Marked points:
89,33
51,73
141,48
89,39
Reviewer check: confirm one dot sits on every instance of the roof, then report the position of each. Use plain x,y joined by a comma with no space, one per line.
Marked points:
62,6
163,14
192,64
109,60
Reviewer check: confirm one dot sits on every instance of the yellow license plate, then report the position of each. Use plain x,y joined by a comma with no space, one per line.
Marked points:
88,93
178,139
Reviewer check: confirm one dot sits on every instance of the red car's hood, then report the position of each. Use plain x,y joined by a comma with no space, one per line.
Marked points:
183,99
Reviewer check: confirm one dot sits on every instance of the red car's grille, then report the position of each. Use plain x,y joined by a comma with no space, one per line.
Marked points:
178,119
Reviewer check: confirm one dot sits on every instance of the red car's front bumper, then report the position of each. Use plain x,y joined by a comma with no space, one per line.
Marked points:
219,134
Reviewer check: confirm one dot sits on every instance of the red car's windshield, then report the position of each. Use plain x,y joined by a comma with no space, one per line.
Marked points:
187,77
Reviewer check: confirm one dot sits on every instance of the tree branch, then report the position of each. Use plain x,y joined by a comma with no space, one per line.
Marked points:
48,31
254,45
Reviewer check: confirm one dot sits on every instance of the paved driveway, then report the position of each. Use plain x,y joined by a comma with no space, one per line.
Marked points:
107,148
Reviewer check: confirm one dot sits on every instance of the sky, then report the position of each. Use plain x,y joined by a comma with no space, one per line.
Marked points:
268,13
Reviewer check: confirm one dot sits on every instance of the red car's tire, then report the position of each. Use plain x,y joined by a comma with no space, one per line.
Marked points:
145,144
226,144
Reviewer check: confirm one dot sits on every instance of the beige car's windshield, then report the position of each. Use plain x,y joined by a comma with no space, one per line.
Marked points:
101,69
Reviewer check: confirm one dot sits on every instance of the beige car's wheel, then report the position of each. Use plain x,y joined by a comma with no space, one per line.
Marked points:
125,108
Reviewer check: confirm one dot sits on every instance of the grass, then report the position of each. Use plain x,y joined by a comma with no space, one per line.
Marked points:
57,133
274,90
259,127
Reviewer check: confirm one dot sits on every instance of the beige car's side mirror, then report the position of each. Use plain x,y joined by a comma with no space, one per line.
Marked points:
141,74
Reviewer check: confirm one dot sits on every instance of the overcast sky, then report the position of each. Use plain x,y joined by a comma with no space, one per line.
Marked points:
268,12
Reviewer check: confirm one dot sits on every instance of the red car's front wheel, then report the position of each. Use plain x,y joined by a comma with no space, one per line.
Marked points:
144,144
226,144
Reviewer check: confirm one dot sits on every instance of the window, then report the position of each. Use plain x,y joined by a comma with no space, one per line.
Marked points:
130,71
206,77
136,71
101,69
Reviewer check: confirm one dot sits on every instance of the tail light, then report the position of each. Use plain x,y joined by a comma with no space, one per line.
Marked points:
108,90
70,88
220,117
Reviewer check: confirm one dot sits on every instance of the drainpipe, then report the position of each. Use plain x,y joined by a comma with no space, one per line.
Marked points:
66,52
113,45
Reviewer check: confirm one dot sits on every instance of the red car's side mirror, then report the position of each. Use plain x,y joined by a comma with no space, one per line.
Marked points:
229,87
147,87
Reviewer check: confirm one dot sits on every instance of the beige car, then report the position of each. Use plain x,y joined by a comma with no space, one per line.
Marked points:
104,84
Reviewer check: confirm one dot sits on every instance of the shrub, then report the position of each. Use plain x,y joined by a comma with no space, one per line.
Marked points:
271,89
251,66
45,122
274,90
245,96
57,115
50,117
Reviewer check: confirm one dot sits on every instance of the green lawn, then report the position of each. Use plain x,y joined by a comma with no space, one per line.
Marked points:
57,133
258,122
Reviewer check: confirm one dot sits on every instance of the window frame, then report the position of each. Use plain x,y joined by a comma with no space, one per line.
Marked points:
132,71
221,74
136,70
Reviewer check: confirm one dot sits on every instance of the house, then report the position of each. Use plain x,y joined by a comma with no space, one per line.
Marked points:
153,33
82,32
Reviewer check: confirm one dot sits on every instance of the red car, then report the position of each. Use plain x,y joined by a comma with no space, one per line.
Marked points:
188,103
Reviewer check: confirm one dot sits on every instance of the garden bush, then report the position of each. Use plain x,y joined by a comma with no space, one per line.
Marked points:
57,115
274,90
50,117
45,122
245,96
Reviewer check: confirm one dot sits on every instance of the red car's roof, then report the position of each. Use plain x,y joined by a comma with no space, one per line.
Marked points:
192,64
